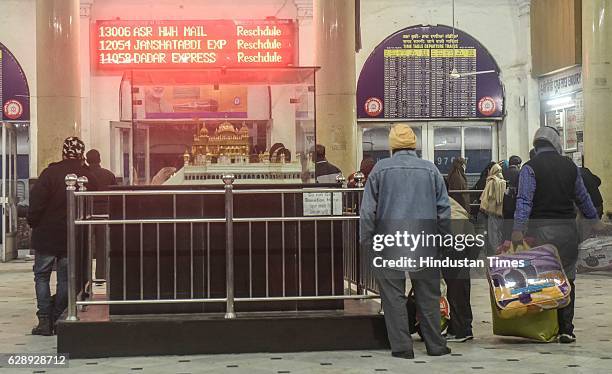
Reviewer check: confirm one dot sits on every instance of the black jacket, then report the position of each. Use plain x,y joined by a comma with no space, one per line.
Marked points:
326,172
104,178
592,183
47,211
511,175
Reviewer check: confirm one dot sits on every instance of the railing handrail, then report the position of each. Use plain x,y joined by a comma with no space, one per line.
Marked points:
238,191
147,221
224,299
215,192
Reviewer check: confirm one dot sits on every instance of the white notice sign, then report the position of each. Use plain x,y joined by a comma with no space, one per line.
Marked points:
322,203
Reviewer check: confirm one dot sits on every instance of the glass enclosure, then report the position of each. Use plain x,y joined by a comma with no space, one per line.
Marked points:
190,127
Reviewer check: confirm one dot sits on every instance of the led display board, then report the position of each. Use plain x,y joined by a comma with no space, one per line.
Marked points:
123,44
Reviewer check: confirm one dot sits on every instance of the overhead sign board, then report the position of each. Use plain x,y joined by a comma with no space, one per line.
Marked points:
122,44
423,72
563,83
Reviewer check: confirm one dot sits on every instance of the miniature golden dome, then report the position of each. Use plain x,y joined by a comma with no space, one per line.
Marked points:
244,130
226,127
204,131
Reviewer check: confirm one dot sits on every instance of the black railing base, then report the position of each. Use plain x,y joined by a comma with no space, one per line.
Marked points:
358,327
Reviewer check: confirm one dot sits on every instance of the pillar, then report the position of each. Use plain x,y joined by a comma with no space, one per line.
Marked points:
58,83
306,34
335,91
85,63
531,101
597,83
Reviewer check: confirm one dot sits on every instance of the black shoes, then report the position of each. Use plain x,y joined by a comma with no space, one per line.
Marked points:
45,326
409,355
441,353
457,339
567,338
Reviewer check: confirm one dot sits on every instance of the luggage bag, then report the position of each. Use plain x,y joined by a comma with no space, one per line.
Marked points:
595,254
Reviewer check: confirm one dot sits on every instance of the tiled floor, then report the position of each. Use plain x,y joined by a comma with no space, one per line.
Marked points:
591,354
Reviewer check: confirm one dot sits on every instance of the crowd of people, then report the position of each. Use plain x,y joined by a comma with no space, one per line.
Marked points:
539,201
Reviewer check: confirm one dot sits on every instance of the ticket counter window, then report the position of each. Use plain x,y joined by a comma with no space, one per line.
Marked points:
447,147
191,127
478,148
375,141
475,142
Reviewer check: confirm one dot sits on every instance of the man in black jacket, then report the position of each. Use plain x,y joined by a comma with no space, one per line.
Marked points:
325,171
47,217
104,178
511,175
592,183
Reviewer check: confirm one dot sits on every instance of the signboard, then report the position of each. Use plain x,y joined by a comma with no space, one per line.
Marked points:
561,84
121,44
14,91
322,203
408,76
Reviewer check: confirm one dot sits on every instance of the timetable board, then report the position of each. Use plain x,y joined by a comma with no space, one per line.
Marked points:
408,77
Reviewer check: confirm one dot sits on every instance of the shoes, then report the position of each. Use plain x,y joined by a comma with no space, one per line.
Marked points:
567,338
409,355
456,339
44,327
444,352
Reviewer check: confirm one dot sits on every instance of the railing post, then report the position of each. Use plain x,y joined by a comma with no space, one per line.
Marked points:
228,180
71,180
359,177
362,264
341,179
83,209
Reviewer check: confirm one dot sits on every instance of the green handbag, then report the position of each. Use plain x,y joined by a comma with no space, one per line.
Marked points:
542,326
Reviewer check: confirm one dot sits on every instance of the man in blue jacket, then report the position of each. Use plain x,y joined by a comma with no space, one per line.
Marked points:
404,193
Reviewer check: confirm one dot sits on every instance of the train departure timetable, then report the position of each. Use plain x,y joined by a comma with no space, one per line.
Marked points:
429,72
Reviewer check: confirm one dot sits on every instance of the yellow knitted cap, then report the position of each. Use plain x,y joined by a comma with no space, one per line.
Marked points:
402,136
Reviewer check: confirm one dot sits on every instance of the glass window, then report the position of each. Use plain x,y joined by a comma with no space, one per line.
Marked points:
447,147
376,142
478,148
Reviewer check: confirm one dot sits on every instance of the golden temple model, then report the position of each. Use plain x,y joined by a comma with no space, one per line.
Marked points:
226,145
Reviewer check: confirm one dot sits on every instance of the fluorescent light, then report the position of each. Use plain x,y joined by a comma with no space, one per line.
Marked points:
559,101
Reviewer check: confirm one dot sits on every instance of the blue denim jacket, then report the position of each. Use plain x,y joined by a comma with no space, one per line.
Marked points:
403,192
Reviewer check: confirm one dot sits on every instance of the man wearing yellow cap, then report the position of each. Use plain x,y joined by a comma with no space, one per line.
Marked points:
405,194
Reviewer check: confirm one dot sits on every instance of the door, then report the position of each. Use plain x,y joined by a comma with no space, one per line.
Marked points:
8,192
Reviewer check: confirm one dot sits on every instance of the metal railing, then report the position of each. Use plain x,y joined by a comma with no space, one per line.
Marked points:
342,219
